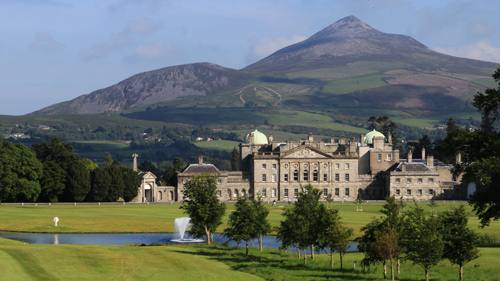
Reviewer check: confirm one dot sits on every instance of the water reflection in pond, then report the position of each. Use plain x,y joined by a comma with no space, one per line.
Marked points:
125,238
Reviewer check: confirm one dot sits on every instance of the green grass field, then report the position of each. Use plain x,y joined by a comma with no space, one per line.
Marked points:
217,144
22,261
131,218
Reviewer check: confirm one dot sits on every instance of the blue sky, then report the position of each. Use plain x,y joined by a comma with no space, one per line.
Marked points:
55,50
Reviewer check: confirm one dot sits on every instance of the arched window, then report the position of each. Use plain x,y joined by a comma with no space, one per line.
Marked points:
315,175
172,195
295,175
160,195
235,193
306,176
243,191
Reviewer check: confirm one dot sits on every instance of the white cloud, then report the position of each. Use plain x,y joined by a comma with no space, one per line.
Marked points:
143,27
156,51
479,50
44,42
115,41
266,46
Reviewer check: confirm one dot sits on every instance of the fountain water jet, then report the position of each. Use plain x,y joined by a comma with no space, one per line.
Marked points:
180,226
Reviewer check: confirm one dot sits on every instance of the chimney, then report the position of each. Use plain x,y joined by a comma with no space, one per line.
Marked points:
342,140
362,139
403,167
332,140
271,139
310,137
430,161
389,138
250,138
409,157
423,153
200,159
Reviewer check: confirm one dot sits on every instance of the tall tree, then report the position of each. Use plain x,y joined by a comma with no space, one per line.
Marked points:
451,125
261,212
78,182
100,182
242,224
387,245
394,217
328,238
460,241
57,157
202,205
424,243
131,182
303,222
480,155
235,160
116,186
20,172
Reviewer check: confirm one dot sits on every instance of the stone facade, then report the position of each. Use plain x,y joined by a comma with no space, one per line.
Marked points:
342,167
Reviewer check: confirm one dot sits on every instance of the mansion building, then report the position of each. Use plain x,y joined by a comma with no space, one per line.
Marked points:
342,167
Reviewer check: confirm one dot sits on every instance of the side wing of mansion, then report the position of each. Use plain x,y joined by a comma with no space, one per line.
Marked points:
341,167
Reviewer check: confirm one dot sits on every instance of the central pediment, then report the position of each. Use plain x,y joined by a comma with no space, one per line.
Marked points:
305,151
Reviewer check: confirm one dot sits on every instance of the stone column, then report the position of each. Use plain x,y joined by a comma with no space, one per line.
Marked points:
134,167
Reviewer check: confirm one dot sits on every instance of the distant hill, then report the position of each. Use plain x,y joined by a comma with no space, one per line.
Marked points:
348,68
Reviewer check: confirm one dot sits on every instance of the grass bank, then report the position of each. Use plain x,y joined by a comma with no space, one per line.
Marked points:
201,262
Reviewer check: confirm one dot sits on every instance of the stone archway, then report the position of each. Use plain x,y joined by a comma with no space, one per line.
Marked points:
172,196
147,192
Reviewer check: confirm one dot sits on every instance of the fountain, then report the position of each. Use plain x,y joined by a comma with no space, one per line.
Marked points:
180,226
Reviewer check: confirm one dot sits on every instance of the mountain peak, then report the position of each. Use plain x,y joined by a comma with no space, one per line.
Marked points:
349,26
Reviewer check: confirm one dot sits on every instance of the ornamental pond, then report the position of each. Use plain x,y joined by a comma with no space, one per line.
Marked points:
127,238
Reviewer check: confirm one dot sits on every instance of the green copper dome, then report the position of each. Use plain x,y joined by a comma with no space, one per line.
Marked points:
369,137
258,138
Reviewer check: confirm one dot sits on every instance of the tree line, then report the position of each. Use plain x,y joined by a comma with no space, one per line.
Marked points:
401,234
53,172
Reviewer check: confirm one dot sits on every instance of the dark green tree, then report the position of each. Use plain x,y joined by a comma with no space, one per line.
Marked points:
394,219
242,224
328,238
387,246
57,157
179,164
116,186
235,160
131,182
52,182
480,155
422,239
262,224
303,222
202,206
20,172
100,182
451,126
78,183
460,241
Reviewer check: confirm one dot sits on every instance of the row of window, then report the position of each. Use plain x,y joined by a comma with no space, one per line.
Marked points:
337,166
419,192
264,166
419,180
325,192
389,157
305,176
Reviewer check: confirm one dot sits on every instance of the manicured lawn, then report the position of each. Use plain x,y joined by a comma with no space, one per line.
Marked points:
143,218
22,261
88,262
